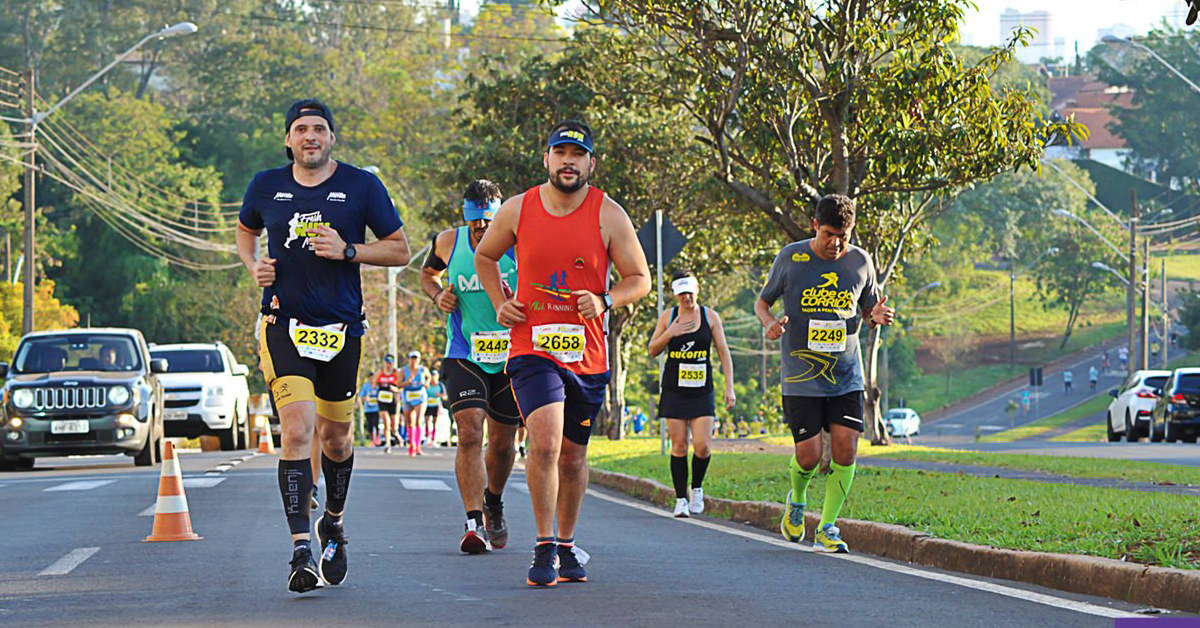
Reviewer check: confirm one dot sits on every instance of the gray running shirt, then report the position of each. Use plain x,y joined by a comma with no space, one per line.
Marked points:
823,301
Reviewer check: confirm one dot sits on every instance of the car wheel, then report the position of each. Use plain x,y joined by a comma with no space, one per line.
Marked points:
241,438
1168,433
228,438
1131,430
145,457
1112,436
1190,438
25,464
7,464
1156,432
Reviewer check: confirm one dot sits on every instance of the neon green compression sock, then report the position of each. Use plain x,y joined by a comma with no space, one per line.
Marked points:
837,487
800,479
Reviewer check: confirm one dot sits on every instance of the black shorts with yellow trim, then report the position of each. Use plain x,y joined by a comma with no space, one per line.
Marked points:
292,378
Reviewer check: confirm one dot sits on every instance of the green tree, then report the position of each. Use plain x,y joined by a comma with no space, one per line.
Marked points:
868,99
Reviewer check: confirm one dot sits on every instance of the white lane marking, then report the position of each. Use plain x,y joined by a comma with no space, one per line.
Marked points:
522,487
414,484
988,587
993,428
222,468
149,511
68,563
84,485
952,426
202,482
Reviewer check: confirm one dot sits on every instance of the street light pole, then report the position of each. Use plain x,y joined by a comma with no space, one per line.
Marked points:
1126,41
1166,318
1130,288
1012,314
30,195
1145,357
35,117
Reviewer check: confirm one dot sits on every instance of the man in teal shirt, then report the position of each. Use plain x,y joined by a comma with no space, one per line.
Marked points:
477,388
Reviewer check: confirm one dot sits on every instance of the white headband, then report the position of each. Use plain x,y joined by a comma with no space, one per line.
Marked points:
685,284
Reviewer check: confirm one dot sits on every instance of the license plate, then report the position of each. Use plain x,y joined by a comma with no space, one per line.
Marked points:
79,426
175,415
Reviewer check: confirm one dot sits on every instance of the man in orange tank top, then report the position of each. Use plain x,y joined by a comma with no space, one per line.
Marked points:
566,235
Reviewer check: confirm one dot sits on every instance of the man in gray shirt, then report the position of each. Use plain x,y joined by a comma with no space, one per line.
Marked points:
828,289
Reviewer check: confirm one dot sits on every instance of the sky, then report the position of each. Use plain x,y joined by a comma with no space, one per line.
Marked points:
1073,20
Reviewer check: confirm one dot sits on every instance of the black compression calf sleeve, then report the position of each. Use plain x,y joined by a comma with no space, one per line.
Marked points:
337,482
679,476
295,485
699,468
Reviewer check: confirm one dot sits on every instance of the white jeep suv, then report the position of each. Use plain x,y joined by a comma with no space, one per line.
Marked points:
206,393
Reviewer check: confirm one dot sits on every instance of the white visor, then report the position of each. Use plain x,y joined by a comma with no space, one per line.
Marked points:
685,284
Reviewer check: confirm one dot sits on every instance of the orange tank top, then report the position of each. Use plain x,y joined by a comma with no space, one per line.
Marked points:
556,255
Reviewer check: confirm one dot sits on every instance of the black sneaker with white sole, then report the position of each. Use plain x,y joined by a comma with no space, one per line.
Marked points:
304,576
331,538
493,522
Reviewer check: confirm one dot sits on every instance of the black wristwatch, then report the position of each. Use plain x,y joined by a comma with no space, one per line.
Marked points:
607,298
350,252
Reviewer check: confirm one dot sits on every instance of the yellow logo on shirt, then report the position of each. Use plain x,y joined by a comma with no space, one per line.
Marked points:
800,257
831,279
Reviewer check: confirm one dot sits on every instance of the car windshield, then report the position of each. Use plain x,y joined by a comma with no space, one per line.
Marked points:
190,360
1188,381
896,414
77,352
1156,381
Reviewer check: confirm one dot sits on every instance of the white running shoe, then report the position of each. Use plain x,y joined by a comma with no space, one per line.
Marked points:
696,505
681,508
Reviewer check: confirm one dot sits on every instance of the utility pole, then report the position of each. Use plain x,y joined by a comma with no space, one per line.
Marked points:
1145,353
391,288
1166,318
30,166
1132,287
1012,314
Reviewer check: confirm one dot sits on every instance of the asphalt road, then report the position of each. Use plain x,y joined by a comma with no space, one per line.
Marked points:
73,557
988,415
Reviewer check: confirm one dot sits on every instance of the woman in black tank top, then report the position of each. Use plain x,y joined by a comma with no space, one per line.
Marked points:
687,332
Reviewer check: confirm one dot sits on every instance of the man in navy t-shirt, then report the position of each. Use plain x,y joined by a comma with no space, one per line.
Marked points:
316,212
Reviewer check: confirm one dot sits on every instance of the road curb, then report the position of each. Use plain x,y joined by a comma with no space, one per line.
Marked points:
1175,589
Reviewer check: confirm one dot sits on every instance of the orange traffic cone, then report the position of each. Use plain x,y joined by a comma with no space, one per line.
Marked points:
171,519
266,444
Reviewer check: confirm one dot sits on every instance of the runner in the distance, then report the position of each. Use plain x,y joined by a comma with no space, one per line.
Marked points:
388,383
368,395
828,288
412,400
687,332
473,368
567,234
316,212
435,393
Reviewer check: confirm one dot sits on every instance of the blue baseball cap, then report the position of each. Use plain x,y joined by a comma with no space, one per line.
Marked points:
578,137
474,210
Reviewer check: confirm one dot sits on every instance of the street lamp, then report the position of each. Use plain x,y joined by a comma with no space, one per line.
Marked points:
35,116
1125,41
1107,268
1130,282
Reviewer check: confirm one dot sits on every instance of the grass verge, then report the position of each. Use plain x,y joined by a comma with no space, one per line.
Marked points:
1097,433
1148,528
1045,424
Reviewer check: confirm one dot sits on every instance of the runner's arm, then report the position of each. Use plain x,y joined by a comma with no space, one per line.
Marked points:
660,337
500,237
626,255
718,332
435,267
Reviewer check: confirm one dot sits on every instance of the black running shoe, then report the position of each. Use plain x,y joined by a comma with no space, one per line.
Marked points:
304,576
331,539
474,539
541,571
493,522
569,567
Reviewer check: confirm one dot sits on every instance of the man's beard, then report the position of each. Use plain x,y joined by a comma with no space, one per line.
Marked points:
581,179
317,162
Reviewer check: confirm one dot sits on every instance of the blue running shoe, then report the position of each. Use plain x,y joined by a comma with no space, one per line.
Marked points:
541,571
569,567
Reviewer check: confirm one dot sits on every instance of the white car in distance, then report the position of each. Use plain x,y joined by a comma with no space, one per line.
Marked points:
206,393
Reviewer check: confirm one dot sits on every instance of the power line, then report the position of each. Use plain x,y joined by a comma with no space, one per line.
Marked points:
399,29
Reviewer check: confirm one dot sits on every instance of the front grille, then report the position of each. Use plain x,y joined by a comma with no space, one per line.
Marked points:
183,389
80,398
180,403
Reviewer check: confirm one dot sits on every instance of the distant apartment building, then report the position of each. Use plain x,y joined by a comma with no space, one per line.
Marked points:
1042,45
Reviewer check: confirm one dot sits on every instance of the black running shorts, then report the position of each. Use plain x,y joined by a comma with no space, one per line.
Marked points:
468,386
807,416
291,378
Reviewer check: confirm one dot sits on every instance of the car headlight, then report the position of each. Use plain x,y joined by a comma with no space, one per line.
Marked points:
118,395
22,398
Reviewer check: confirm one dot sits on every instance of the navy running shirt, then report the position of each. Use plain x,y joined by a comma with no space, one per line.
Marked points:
311,289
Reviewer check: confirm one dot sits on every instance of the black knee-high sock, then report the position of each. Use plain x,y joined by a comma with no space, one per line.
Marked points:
295,485
699,468
679,476
337,482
